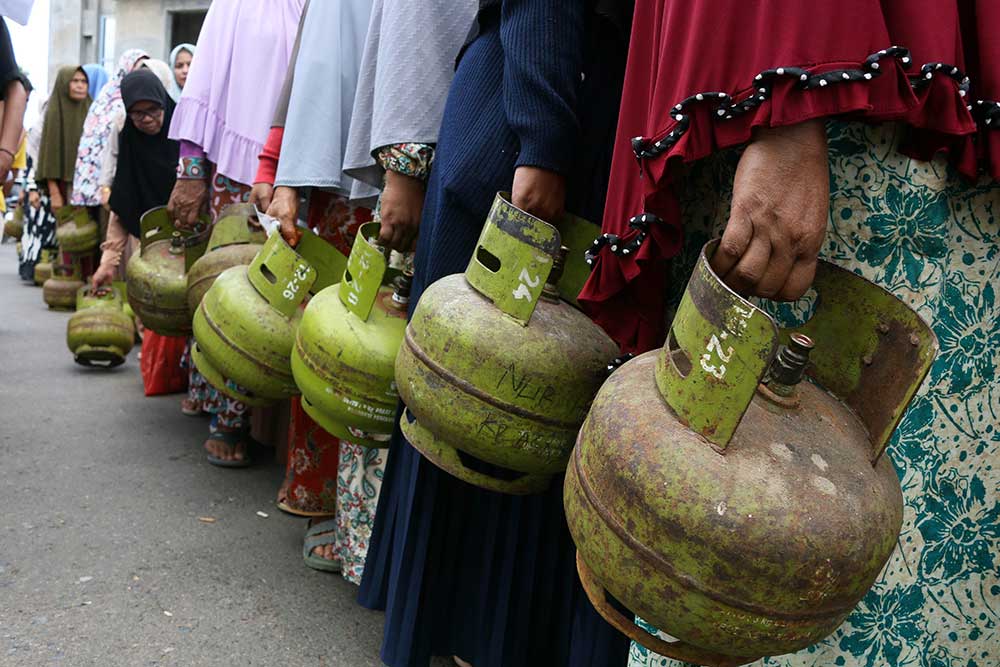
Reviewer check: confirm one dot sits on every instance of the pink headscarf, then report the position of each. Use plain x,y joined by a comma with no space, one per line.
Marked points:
235,79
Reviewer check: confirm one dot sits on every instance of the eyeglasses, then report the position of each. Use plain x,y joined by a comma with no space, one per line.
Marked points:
139,116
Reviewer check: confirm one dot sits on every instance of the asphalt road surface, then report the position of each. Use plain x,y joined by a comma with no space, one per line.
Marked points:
103,557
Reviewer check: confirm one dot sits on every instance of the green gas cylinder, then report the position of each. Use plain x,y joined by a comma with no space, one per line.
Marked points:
731,488
346,347
495,366
233,243
100,334
245,326
157,278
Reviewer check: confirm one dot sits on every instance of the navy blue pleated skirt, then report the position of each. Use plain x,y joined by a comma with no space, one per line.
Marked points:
459,570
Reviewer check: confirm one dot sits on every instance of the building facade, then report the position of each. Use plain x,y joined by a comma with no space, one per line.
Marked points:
87,31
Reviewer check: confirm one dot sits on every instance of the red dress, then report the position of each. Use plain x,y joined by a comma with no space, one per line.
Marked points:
703,73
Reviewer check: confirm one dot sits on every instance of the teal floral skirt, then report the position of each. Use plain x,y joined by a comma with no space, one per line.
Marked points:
933,240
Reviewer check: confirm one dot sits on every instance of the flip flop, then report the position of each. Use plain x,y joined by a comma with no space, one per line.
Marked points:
232,438
288,509
320,534
191,412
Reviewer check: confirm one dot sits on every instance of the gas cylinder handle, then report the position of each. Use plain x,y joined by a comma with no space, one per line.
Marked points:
871,350
232,228
326,259
366,269
155,225
718,349
281,275
513,259
67,270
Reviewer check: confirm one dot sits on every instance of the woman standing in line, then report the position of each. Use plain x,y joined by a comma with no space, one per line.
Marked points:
838,155
461,571
180,63
146,166
104,119
64,119
222,126
311,125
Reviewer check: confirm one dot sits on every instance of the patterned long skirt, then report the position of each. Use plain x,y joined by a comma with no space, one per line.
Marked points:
326,475
933,240
227,413
39,234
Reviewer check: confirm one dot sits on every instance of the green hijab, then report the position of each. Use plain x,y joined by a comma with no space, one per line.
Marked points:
61,132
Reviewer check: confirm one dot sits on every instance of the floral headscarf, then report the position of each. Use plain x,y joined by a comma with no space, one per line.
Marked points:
105,115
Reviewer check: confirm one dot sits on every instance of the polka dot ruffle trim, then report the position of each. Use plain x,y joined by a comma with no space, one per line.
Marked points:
764,82
986,113
614,243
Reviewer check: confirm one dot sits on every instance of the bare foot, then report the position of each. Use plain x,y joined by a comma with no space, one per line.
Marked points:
324,551
460,662
224,451
282,498
191,407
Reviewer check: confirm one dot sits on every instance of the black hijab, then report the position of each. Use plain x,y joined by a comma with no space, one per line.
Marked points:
147,164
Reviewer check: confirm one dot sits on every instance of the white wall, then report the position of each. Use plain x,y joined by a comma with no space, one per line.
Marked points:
64,34
145,24
31,49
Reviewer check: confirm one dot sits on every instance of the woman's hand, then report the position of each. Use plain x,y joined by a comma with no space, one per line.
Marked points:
187,201
260,196
285,209
781,201
104,275
400,210
540,192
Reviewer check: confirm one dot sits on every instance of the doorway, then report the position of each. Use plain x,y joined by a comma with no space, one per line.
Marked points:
185,27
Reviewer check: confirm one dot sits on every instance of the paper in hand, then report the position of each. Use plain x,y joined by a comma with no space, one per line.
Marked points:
270,225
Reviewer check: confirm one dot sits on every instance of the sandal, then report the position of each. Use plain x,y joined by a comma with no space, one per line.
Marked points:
231,438
319,535
192,407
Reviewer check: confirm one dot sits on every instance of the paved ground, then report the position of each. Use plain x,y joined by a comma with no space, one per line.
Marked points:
103,560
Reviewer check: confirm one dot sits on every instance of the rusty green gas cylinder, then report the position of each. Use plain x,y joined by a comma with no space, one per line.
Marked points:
232,243
14,227
100,334
346,347
156,276
43,269
495,366
75,231
720,495
59,291
245,327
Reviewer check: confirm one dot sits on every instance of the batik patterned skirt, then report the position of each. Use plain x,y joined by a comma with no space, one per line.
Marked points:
326,475
933,240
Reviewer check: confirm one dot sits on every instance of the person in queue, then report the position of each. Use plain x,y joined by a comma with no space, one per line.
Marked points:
863,135
146,166
532,110
222,126
180,64
61,132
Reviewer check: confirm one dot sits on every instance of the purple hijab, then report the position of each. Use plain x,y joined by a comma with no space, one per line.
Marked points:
236,76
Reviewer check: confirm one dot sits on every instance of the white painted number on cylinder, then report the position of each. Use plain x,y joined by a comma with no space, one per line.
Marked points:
715,358
522,291
293,285
355,294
